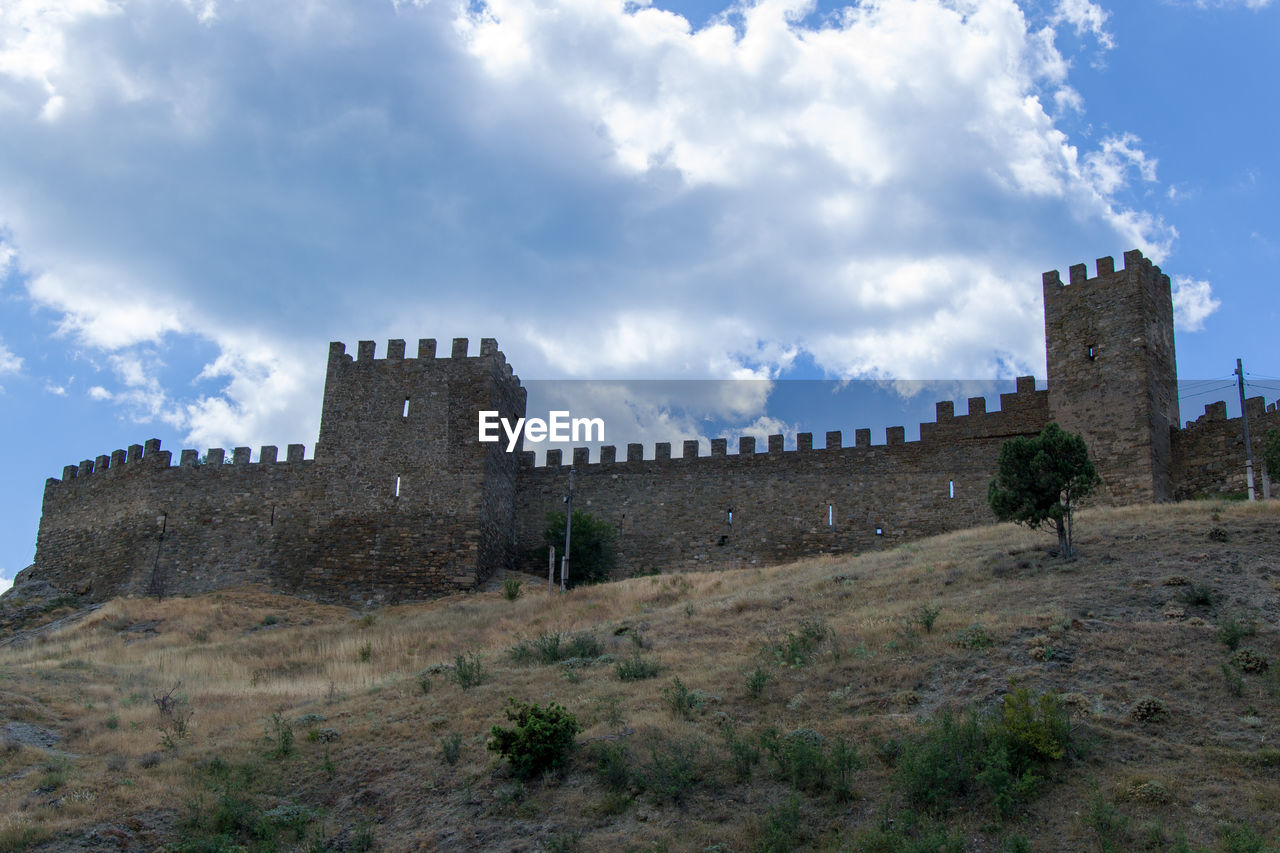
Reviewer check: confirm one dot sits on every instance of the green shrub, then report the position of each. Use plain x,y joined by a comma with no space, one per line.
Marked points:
743,751
1001,756
756,682
779,830
683,702
540,740
553,647
1248,660
636,668
925,616
424,682
799,647
366,652
974,637
469,671
511,588
451,748
804,758
673,770
1231,631
1198,595
1147,709
612,764
280,734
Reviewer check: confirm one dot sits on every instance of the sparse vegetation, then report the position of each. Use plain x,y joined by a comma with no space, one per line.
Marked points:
773,688
636,668
511,588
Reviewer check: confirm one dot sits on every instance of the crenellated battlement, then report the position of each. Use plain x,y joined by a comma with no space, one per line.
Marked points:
1137,267
149,457
402,501
1018,414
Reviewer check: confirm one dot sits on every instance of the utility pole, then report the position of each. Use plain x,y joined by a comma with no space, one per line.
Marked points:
1244,416
568,533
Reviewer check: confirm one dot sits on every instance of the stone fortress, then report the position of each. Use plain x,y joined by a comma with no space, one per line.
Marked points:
402,502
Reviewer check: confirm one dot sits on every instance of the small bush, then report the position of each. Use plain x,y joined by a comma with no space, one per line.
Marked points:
1234,680
424,682
612,765
553,647
450,748
1002,755
366,652
672,770
743,751
756,682
1217,533
540,740
511,588
469,671
799,647
1147,709
1198,595
682,702
779,831
925,616
1231,631
280,734
636,668
1248,660
175,717
974,637
804,758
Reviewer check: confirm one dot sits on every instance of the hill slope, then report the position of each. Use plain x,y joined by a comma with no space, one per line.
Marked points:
292,725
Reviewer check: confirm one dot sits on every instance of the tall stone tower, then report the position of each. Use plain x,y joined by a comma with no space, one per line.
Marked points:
413,497
1112,372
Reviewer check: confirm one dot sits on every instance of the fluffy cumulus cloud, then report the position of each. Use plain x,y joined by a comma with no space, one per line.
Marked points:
205,193
1193,302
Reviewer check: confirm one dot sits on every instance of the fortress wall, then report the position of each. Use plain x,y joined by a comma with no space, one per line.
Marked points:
109,522
1209,457
674,512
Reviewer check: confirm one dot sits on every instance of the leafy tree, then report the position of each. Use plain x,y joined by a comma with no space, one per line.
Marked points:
1271,455
1040,479
592,549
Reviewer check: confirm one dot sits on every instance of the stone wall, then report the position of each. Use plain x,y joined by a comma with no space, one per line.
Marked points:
675,512
402,501
1209,457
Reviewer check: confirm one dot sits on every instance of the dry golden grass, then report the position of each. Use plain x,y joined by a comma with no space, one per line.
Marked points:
1103,630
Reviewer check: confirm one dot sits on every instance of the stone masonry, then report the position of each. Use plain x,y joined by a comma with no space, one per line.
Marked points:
402,502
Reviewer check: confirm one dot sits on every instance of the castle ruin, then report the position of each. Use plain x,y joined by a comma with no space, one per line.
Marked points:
402,502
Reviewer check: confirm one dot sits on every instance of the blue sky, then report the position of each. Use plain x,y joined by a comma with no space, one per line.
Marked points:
197,195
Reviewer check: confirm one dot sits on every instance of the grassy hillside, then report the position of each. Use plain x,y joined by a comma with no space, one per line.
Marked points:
969,692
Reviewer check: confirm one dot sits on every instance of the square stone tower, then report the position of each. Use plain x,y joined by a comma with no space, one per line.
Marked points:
412,497
1112,372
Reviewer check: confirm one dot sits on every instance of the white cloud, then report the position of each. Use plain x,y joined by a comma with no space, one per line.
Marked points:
607,189
1085,17
55,390
33,42
1193,302
6,583
9,363
1109,167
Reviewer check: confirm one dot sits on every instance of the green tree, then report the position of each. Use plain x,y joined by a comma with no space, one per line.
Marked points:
1040,479
1271,455
540,740
592,549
